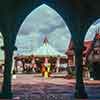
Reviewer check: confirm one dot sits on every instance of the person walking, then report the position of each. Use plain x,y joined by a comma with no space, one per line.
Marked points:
43,69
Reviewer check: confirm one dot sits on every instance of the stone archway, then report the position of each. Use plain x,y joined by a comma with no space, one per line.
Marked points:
10,25
15,16
92,43
51,25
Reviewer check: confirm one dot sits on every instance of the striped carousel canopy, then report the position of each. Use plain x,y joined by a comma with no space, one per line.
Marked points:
47,50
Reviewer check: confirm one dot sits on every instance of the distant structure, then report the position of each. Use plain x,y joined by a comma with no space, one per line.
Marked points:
92,47
46,50
91,55
71,55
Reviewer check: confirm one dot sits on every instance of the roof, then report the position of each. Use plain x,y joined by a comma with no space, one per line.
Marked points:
47,50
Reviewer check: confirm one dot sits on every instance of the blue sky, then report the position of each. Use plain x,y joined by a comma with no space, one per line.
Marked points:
91,32
43,21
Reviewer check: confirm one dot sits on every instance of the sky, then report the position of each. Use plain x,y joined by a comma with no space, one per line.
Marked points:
91,32
43,21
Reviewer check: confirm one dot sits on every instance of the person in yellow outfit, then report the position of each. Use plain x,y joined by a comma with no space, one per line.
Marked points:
48,69
46,73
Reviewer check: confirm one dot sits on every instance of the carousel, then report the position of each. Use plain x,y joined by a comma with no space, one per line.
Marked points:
46,51
45,54
51,58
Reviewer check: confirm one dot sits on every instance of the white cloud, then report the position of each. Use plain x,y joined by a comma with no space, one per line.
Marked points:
94,28
44,21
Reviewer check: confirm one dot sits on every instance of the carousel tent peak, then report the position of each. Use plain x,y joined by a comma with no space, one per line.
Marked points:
47,51
45,40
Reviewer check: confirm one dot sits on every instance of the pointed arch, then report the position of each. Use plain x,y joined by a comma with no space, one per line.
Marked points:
48,21
93,30
92,39
92,33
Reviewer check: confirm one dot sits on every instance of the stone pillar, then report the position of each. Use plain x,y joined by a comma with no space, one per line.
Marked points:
80,89
73,60
6,87
34,66
57,64
6,92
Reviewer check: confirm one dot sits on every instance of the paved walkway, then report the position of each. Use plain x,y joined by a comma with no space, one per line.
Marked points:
35,87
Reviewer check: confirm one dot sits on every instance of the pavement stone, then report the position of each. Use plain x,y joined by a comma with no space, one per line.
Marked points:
29,87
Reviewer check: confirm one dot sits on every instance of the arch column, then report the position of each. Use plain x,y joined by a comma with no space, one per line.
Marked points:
79,88
78,34
8,51
80,91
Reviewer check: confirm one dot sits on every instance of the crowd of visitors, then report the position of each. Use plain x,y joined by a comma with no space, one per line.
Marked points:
36,66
